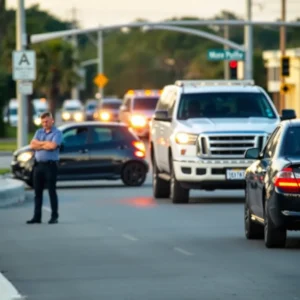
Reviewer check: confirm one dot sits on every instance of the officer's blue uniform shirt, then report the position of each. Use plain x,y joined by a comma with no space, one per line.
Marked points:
54,135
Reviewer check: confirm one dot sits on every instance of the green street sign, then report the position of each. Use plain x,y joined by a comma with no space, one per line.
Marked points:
223,54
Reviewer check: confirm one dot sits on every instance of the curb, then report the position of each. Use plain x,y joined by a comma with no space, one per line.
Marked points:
8,291
6,153
12,191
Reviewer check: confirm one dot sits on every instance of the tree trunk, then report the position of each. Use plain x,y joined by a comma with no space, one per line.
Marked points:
30,114
54,94
2,18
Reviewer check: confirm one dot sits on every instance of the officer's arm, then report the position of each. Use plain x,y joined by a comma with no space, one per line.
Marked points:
35,144
55,143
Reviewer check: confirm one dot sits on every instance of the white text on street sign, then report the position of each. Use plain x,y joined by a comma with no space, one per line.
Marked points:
24,65
224,54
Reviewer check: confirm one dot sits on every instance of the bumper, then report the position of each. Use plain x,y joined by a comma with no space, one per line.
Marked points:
210,174
284,210
22,170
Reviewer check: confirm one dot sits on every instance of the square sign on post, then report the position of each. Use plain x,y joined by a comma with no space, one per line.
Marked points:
24,65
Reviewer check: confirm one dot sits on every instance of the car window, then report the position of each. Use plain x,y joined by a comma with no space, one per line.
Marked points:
111,105
225,105
75,137
145,103
272,143
292,142
106,135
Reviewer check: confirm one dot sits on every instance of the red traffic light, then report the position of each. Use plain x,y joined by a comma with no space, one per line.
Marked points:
233,64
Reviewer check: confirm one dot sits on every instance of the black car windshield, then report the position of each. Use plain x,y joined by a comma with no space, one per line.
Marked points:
146,103
111,105
91,106
291,142
225,105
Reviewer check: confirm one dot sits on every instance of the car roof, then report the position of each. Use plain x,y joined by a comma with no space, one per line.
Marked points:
91,124
111,100
293,122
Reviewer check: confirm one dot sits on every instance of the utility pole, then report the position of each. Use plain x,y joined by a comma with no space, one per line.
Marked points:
248,41
282,49
226,64
100,61
21,44
75,89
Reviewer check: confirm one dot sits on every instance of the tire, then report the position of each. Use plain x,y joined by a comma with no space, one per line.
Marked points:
133,174
160,187
253,230
274,237
177,193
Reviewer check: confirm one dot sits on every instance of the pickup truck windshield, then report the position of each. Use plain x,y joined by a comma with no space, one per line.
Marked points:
225,105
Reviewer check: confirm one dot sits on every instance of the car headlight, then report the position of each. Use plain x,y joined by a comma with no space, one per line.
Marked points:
78,116
26,156
66,116
104,116
185,138
37,121
138,121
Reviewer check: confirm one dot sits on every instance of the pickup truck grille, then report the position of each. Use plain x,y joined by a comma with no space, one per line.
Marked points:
228,145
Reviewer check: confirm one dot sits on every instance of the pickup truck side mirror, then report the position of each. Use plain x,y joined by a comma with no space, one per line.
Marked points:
162,115
288,114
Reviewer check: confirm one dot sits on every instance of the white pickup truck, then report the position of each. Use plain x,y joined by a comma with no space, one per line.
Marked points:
200,132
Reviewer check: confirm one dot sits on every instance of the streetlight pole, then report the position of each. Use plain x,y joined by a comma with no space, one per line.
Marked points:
21,44
100,60
248,40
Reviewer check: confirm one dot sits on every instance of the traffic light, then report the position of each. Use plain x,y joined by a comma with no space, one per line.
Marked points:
233,69
285,66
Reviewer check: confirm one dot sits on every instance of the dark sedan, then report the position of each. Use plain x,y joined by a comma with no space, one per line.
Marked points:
92,151
108,111
272,192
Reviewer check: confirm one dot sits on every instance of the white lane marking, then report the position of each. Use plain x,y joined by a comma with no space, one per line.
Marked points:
182,251
45,208
110,229
129,237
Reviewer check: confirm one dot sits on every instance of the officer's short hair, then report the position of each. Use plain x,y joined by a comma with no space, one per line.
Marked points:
46,114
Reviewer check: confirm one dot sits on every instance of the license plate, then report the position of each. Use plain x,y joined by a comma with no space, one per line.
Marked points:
233,174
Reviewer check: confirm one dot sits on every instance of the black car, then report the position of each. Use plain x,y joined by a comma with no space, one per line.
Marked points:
272,191
92,150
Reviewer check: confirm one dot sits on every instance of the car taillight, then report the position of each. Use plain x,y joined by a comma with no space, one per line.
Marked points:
286,181
140,149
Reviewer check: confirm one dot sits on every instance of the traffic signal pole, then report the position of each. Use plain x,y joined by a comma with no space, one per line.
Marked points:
282,49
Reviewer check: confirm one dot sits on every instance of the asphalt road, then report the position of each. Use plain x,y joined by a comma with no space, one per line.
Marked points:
118,243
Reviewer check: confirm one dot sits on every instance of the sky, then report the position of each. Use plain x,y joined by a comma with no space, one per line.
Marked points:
92,13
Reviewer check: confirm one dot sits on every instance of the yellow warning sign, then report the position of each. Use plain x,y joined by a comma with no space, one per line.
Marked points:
101,80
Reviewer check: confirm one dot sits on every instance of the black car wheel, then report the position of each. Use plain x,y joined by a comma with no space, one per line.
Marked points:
134,174
274,237
161,188
252,229
177,193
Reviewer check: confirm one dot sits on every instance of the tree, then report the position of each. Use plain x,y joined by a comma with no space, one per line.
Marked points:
55,69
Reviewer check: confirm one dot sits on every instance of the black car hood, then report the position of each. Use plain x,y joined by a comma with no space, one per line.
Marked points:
23,149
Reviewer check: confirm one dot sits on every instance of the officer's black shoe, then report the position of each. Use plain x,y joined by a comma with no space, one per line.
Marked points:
34,221
53,221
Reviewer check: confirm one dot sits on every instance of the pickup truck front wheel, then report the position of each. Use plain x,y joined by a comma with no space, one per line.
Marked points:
177,193
161,188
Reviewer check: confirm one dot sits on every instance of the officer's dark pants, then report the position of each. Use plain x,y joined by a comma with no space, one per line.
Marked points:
45,175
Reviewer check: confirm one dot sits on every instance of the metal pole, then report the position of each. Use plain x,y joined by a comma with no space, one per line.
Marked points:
282,49
226,64
248,38
100,60
21,44
75,89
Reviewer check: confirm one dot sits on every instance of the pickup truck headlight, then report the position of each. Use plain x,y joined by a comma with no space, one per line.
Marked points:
182,138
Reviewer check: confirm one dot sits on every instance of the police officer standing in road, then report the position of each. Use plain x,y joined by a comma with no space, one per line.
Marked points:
46,144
